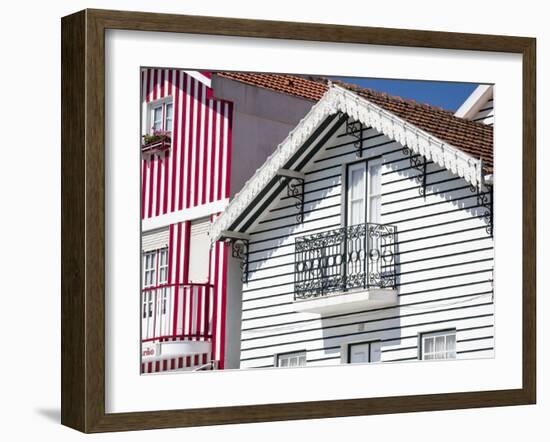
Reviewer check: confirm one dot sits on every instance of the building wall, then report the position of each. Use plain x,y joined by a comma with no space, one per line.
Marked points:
444,273
261,120
196,169
192,173
486,114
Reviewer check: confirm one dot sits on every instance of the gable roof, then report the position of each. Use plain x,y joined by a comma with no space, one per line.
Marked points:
338,101
474,138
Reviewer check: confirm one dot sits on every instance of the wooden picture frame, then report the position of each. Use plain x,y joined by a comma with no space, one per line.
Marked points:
83,220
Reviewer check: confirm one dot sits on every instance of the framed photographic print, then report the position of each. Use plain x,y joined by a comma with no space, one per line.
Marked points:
268,221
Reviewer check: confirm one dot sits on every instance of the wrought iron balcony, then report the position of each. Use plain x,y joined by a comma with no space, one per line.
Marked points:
356,257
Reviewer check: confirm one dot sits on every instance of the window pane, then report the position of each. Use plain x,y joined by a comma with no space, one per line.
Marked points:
374,209
169,111
283,362
293,361
428,345
440,344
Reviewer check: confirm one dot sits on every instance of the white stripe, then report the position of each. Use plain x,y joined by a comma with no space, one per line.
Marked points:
187,321
201,144
185,190
171,155
194,143
144,104
224,149
209,150
147,188
218,301
155,184
151,76
217,149
166,92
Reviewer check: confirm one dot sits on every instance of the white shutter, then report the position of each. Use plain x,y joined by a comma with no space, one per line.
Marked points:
199,249
155,239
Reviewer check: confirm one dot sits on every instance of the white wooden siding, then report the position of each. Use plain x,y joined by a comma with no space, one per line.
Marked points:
486,114
445,267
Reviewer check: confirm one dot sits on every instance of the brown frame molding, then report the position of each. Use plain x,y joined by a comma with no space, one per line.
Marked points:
83,216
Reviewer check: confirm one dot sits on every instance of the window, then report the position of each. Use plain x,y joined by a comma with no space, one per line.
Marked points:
364,189
161,115
363,352
149,269
438,345
294,359
374,189
356,194
163,266
199,251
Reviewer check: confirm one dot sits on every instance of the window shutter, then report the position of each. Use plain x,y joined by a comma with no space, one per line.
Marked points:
199,251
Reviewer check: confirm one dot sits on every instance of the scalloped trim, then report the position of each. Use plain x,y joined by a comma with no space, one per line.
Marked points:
338,99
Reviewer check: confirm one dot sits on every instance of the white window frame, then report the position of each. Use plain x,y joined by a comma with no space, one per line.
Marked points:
288,356
163,266
447,353
150,270
366,165
374,193
162,103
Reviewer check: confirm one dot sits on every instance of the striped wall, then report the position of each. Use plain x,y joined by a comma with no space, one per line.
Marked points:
445,264
486,114
193,172
196,169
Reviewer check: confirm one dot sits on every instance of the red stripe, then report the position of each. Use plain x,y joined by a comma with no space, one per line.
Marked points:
176,297
188,361
159,166
200,293
214,150
186,252
155,81
172,364
222,148
190,139
167,155
198,134
175,147
152,167
205,152
165,365
180,362
215,306
228,149
147,86
143,187
223,306
162,95
157,366
187,98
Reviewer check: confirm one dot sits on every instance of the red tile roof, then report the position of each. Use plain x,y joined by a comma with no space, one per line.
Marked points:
471,137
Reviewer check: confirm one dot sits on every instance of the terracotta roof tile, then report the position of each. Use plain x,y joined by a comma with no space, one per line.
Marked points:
471,137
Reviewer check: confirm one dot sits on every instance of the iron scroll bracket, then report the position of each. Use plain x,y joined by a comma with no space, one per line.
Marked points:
355,129
239,250
295,184
485,201
419,163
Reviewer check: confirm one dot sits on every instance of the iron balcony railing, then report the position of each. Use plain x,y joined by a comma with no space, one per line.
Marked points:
359,256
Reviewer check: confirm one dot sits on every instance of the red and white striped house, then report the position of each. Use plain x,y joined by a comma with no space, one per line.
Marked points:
186,157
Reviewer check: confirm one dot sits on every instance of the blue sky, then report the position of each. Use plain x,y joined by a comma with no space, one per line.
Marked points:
438,93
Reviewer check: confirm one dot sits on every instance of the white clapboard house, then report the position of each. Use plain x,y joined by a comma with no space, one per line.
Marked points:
367,236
